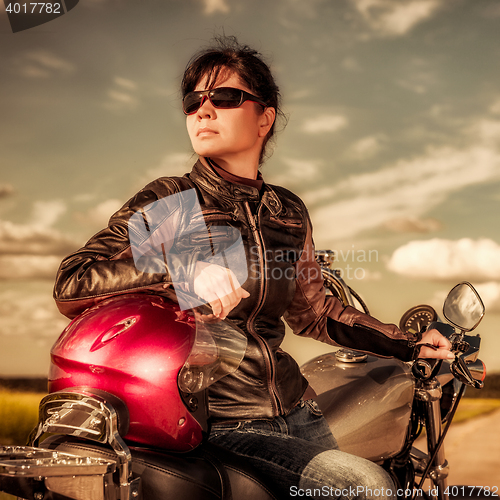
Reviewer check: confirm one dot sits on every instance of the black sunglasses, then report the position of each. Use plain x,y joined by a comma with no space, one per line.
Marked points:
222,97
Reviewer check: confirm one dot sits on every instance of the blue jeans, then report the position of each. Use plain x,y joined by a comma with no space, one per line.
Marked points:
300,456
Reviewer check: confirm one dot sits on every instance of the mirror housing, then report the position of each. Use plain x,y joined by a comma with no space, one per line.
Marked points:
463,307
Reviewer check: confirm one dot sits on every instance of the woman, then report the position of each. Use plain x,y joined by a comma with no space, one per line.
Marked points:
231,102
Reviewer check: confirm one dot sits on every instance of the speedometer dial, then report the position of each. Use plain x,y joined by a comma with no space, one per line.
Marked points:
416,319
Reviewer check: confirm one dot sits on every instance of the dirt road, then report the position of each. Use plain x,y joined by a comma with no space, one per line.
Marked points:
473,452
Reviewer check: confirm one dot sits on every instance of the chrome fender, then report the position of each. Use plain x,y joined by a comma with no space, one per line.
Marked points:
366,402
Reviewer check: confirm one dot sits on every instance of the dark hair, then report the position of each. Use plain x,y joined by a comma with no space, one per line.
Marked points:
227,54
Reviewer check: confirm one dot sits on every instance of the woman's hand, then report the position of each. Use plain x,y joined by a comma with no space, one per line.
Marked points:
219,287
442,346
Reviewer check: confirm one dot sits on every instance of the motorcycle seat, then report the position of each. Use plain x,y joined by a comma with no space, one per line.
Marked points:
89,423
206,473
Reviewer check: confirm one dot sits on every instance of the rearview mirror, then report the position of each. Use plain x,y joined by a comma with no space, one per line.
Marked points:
463,307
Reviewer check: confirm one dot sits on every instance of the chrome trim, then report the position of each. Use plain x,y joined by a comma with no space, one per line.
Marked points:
335,284
350,356
325,258
34,462
73,476
82,414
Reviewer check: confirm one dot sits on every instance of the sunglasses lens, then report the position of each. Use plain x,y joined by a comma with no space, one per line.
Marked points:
226,98
220,98
192,102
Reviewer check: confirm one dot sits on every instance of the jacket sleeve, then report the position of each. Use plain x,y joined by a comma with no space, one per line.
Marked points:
105,266
314,314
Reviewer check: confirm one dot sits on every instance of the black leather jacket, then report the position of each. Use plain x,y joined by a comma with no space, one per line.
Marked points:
284,281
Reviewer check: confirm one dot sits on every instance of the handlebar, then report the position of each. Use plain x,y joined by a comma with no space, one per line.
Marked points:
465,348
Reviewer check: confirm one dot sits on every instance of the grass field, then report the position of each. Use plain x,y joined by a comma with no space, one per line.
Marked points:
18,416
19,413
470,408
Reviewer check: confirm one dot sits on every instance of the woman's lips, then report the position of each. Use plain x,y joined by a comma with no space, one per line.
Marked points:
206,131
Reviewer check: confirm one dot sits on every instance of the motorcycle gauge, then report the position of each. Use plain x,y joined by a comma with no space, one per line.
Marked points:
416,319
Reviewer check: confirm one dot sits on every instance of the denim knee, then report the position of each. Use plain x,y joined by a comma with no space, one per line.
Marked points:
335,474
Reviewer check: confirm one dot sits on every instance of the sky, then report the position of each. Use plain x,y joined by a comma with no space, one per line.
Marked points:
392,139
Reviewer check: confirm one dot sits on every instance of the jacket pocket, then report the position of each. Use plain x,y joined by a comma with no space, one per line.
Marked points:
287,221
214,235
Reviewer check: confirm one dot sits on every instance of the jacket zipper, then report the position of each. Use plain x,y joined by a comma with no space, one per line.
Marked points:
276,403
216,216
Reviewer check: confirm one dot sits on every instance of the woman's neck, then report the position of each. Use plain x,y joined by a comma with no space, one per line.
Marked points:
246,170
235,179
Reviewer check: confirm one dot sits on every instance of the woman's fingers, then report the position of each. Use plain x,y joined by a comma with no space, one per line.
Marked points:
441,345
228,297
219,287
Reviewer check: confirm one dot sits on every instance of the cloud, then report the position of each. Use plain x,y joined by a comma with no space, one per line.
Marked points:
412,225
296,171
448,260
419,77
6,190
125,83
34,250
408,189
44,64
495,107
123,95
99,215
28,239
301,10
490,295
214,6
28,266
172,164
47,213
392,18
351,64
31,314
325,123
488,131
367,147
120,100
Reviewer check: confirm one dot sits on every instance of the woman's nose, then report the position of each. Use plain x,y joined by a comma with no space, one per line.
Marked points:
206,109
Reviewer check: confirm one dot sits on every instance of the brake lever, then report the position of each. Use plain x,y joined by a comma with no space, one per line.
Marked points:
460,371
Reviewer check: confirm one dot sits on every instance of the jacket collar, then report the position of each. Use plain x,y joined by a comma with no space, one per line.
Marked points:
217,187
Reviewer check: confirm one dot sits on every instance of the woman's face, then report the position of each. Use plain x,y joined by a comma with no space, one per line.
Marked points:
229,135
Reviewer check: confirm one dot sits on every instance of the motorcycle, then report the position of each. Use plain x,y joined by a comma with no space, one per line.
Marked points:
127,411
377,408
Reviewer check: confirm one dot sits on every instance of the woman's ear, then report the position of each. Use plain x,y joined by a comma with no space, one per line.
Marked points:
266,121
